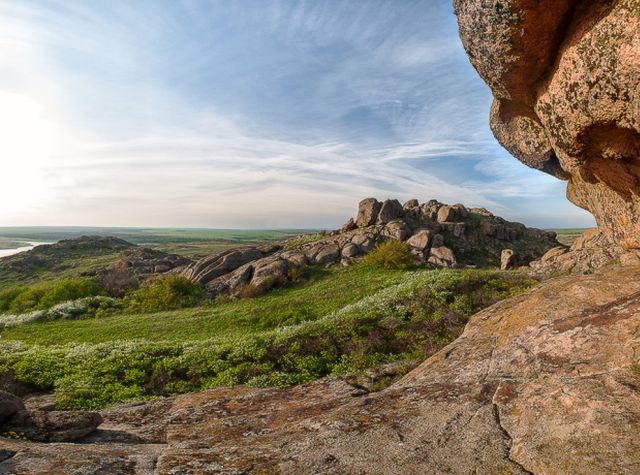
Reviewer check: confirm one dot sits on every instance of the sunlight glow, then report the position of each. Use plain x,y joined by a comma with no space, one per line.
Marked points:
25,147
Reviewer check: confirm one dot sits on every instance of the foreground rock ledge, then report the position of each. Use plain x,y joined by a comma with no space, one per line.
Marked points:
545,382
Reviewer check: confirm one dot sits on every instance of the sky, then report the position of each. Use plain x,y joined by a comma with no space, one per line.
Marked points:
247,114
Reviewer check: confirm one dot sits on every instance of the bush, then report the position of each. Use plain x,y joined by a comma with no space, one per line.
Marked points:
164,293
86,307
390,254
46,295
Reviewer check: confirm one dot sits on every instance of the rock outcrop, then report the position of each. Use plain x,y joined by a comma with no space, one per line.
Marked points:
565,76
438,234
592,250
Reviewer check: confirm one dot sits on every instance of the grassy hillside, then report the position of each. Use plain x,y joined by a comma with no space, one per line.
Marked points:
323,292
342,321
54,262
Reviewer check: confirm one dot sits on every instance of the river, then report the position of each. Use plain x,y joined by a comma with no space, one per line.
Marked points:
17,250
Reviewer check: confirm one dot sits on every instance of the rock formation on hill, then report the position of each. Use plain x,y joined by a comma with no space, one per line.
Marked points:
565,75
438,234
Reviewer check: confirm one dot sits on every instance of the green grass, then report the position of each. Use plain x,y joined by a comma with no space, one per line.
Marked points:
325,291
341,322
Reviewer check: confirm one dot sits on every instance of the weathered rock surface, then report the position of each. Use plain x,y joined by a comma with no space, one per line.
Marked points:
9,405
389,211
592,250
508,259
143,261
439,235
565,76
210,267
546,382
52,426
368,210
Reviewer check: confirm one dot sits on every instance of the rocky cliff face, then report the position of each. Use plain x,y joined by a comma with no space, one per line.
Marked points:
565,75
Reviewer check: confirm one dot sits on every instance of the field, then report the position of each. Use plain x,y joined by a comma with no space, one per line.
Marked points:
323,291
568,235
187,242
345,322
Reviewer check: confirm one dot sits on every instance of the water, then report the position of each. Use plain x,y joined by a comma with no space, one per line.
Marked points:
17,250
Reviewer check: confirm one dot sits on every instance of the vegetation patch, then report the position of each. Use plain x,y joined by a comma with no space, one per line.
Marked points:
390,254
405,321
164,293
20,299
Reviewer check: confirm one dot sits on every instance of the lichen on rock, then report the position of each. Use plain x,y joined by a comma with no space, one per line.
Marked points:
565,76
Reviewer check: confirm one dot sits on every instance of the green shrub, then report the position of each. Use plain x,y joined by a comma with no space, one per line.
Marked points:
46,295
70,289
7,296
390,254
164,293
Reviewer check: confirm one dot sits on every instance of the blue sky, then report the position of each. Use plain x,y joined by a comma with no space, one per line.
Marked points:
247,114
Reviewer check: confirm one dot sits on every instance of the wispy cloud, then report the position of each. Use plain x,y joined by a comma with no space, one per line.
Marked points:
254,113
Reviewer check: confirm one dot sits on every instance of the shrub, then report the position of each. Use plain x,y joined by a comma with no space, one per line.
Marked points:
117,280
7,296
86,307
81,308
165,293
46,295
390,254
70,289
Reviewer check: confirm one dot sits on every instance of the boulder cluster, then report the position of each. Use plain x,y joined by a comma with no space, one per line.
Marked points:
439,235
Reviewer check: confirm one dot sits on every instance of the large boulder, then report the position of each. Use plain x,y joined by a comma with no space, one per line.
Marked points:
390,210
409,204
368,210
397,229
441,256
53,426
328,254
508,259
565,78
447,214
420,240
211,267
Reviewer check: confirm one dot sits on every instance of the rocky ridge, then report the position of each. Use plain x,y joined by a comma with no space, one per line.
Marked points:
439,235
139,262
